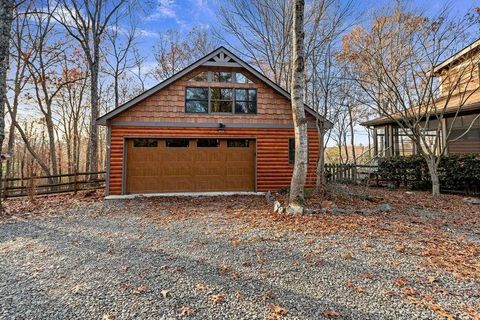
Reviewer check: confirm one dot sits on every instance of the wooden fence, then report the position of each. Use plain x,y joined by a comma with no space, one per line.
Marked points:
350,173
37,185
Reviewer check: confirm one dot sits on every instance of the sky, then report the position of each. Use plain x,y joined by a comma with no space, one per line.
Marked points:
182,15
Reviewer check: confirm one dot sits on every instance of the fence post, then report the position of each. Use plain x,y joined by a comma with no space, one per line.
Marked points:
75,182
354,173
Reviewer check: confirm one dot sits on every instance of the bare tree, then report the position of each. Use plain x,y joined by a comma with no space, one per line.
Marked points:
120,44
394,64
86,21
299,176
173,52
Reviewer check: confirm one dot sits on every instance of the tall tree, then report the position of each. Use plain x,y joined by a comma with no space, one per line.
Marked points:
6,18
86,21
299,176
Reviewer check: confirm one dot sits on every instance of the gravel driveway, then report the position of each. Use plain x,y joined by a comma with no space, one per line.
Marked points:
167,259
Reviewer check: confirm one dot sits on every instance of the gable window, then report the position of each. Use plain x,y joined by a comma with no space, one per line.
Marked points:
177,143
221,100
220,76
196,100
241,78
208,143
245,101
200,77
145,143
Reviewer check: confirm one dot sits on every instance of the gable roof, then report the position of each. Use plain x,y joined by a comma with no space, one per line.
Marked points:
473,46
219,57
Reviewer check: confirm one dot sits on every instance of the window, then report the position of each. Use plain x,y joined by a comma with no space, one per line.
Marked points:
208,143
145,143
291,151
201,77
219,76
196,100
245,101
241,78
221,100
177,143
237,143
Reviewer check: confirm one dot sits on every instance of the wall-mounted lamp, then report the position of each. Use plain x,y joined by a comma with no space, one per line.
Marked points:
221,127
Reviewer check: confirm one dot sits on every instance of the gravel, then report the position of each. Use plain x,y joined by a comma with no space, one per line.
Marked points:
116,259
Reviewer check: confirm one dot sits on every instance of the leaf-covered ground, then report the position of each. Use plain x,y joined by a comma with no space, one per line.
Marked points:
232,258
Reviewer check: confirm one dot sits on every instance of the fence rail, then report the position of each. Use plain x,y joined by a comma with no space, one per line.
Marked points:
38,185
350,173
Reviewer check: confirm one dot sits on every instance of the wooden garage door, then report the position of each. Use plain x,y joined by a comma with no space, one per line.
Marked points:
190,165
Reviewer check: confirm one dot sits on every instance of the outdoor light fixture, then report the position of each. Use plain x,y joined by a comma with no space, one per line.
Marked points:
221,127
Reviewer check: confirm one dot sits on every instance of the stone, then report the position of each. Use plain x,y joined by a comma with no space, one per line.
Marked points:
294,209
281,210
269,197
276,206
384,207
339,211
471,200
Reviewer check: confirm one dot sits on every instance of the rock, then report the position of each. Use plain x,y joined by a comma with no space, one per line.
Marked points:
309,211
384,207
276,206
314,211
470,200
269,197
339,211
281,210
294,209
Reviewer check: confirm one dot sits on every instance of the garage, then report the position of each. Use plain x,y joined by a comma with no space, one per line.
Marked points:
155,165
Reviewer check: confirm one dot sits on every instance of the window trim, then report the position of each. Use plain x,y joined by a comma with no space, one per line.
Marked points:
235,101
209,100
186,100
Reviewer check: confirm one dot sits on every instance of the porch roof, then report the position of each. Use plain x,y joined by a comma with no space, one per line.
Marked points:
450,111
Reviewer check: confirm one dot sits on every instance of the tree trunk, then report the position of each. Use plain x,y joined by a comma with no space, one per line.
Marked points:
94,101
299,175
6,18
352,135
433,170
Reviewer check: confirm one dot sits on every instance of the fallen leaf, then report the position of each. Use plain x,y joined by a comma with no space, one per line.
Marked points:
359,289
185,311
217,298
139,290
201,287
409,291
400,282
107,316
330,313
278,310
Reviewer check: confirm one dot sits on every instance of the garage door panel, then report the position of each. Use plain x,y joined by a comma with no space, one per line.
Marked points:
159,168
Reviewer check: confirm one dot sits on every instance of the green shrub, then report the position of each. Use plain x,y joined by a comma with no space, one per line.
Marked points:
456,172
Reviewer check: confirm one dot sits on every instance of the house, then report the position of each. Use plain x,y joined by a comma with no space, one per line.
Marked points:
217,125
390,140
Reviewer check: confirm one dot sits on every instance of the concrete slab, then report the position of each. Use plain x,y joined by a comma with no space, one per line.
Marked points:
182,194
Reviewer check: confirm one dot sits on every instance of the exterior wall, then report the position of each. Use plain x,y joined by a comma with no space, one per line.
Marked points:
168,105
468,143
272,169
464,76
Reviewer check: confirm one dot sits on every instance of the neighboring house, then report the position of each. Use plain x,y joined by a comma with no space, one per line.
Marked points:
390,140
217,125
